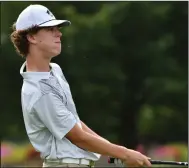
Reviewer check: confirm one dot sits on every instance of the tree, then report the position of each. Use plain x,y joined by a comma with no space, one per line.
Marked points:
123,60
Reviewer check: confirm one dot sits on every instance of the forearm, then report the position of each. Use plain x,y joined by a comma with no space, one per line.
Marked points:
88,130
98,145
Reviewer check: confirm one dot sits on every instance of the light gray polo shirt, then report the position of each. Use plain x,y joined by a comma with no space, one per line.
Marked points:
49,114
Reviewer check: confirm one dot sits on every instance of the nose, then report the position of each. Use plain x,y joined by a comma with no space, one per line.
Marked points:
59,34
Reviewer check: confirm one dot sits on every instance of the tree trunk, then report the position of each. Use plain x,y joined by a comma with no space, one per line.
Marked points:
128,130
134,99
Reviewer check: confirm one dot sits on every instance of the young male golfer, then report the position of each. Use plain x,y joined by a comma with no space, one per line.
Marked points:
52,123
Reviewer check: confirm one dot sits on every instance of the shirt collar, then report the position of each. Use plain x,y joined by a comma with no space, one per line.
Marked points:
33,75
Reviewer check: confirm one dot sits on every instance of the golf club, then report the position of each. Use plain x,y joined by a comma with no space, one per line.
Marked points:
113,160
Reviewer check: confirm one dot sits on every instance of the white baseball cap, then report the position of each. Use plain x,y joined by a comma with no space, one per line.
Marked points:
37,15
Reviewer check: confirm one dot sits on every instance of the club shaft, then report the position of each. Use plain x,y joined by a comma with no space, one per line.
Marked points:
112,160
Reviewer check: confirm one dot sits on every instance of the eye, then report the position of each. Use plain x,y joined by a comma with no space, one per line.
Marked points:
50,28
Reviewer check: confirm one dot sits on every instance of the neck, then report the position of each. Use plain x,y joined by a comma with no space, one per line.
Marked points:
37,63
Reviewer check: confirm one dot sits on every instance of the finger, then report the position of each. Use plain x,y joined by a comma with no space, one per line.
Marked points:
147,163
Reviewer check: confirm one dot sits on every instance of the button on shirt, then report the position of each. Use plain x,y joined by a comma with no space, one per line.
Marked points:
49,114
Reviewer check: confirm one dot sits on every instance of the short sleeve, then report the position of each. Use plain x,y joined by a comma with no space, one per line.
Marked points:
55,116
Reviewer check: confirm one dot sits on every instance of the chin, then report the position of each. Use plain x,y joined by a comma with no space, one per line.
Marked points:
56,53
55,56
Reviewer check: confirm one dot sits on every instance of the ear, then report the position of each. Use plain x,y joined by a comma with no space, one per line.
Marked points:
31,38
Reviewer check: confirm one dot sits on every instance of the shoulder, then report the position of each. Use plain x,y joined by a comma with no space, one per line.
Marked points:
58,70
33,92
30,87
56,67
30,94
50,85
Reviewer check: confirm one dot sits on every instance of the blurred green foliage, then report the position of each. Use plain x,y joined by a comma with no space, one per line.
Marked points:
126,63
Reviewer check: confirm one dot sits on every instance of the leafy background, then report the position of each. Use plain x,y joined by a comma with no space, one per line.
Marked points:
126,63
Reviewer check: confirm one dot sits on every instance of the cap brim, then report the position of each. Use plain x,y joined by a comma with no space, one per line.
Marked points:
56,23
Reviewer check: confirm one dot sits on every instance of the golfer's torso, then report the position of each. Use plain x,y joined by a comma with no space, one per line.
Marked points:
40,137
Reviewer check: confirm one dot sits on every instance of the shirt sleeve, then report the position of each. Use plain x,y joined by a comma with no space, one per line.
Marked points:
53,113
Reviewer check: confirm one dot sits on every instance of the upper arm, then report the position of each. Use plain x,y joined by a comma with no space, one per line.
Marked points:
76,134
55,116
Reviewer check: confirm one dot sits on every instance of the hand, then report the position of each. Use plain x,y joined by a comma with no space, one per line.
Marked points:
136,159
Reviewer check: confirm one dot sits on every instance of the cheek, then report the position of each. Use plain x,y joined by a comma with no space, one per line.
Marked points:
47,45
44,42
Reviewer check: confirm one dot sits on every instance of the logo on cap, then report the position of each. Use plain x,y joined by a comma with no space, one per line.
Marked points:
49,13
